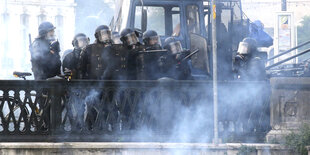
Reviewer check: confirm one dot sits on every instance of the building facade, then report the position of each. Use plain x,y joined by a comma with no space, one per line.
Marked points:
19,18
265,10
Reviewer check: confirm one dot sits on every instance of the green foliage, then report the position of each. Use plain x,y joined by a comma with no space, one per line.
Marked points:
273,141
246,150
303,34
298,141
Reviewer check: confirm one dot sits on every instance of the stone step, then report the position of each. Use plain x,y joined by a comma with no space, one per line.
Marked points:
107,148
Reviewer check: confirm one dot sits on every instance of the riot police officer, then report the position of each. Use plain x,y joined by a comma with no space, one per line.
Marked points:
93,57
45,58
70,65
174,65
71,59
121,57
151,40
131,46
249,63
147,61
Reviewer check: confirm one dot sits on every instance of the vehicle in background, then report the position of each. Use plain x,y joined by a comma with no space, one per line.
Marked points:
190,22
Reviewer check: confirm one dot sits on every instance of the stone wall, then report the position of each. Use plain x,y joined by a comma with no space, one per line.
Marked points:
289,106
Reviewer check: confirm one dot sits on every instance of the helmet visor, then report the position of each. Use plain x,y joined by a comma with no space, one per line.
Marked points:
131,38
243,48
176,47
154,40
82,42
104,36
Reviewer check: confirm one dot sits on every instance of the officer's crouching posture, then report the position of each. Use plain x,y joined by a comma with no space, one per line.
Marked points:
249,63
174,65
71,59
45,50
147,61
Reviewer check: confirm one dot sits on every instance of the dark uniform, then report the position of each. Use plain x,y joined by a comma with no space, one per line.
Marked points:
147,62
92,62
173,65
132,45
93,58
122,57
71,60
118,61
45,58
249,63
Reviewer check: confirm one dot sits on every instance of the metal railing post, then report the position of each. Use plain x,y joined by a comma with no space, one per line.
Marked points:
55,109
214,57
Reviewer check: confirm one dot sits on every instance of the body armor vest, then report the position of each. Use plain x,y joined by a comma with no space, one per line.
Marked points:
117,63
93,61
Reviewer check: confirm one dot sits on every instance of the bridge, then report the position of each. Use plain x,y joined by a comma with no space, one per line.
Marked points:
136,111
161,117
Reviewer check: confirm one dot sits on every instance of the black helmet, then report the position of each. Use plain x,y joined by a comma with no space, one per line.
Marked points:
44,28
103,34
116,38
247,46
172,45
129,36
80,40
151,38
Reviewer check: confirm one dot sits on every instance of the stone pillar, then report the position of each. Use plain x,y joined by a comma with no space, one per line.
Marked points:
290,103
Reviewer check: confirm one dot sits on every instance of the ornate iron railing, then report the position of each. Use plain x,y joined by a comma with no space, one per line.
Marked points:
131,111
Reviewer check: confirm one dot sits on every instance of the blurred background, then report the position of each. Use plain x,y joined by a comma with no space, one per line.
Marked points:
19,18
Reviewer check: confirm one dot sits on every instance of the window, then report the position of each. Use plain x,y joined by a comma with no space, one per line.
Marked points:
164,20
175,11
24,21
59,23
155,18
138,16
4,30
41,18
192,19
207,22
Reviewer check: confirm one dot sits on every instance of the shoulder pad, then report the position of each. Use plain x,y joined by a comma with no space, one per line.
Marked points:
66,52
35,43
88,47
